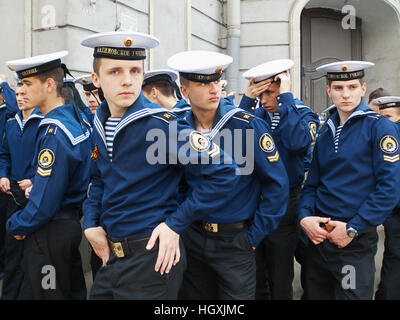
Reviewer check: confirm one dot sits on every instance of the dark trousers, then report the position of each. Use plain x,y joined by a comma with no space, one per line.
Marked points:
220,265
347,273
389,286
14,249
3,218
95,263
275,256
133,277
52,262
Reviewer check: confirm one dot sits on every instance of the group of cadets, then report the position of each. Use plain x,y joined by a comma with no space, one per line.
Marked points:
183,194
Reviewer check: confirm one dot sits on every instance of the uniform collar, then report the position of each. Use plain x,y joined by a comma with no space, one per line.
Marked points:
64,117
181,106
362,110
139,109
226,110
36,114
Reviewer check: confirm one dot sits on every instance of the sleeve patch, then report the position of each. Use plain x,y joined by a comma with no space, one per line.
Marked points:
313,130
266,143
389,144
46,160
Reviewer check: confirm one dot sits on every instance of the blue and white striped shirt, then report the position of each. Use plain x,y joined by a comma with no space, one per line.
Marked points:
110,125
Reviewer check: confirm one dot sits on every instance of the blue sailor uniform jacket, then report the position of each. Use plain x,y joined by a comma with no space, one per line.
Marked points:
263,189
294,131
181,107
359,182
62,168
18,148
132,193
10,106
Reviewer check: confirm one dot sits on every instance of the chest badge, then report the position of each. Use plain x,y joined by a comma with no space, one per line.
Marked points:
95,153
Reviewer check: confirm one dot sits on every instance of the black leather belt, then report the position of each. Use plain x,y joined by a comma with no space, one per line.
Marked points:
222,227
126,246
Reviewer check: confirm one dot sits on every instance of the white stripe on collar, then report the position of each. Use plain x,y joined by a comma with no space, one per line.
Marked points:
32,116
73,140
353,115
223,120
123,123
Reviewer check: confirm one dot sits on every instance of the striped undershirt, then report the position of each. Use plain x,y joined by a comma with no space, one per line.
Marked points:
275,120
336,139
110,125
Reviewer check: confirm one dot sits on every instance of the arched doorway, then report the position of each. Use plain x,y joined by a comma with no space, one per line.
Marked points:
380,30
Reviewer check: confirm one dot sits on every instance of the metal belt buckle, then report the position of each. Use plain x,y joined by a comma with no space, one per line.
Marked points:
117,249
211,227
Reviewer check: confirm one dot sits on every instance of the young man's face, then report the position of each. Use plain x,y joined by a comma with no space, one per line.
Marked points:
393,114
346,95
204,96
120,80
268,97
33,92
20,99
91,97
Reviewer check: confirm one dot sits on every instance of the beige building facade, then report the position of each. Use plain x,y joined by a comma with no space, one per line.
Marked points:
311,32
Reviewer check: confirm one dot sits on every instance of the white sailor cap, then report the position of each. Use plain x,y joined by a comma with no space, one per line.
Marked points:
200,66
159,75
33,66
268,70
121,45
86,82
345,70
387,102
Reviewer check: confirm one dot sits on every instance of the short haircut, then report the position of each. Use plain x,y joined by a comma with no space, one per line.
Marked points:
183,81
57,75
360,79
97,63
377,93
165,88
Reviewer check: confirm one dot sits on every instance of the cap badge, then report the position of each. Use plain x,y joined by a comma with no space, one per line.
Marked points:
345,68
218,70
128,41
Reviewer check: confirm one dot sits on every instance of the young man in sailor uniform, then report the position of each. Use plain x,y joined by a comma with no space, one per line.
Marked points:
49,223
8,108
132,205
352,187
92,93
220,246
16,173
293,127
159,86
389,286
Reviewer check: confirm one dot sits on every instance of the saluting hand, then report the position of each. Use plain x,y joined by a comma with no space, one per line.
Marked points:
285,82
311,226
98,240
168,247
255,89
